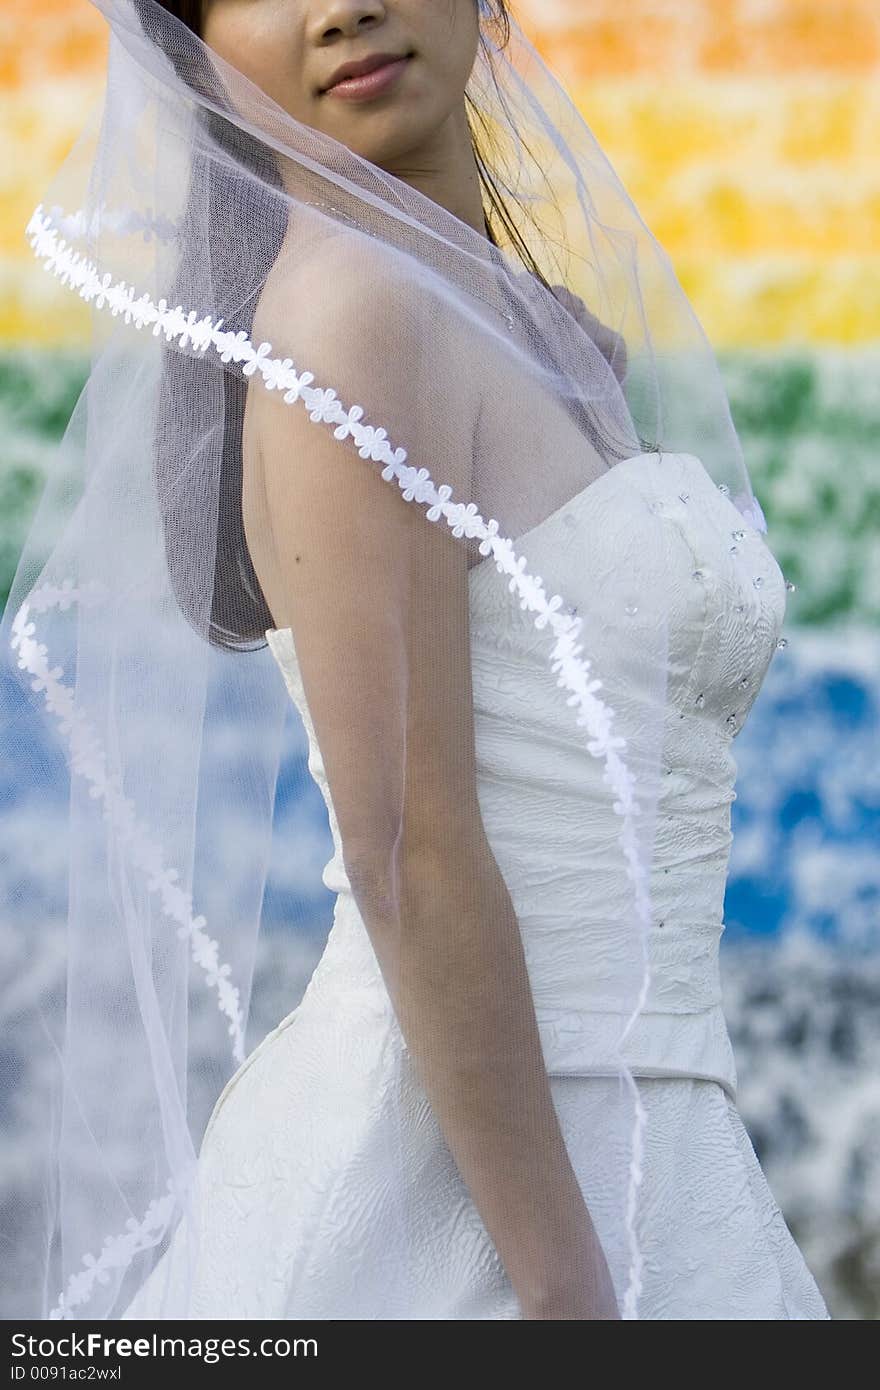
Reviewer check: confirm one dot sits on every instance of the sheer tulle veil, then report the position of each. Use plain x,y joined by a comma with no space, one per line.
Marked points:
424,400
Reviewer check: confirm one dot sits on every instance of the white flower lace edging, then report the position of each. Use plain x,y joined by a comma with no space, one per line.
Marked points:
89,759
567,661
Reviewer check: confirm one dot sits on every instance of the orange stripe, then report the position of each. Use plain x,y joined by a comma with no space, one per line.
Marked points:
609,39
65,37
50,38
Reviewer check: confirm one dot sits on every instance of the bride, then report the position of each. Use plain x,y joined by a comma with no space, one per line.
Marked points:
508,1091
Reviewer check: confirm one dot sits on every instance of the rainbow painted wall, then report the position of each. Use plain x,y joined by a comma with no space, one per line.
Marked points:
747,133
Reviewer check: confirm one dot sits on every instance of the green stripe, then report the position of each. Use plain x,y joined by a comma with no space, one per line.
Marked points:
809,423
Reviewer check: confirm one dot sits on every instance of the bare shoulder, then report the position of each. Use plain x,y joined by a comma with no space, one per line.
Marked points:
341,281
355,320
370,325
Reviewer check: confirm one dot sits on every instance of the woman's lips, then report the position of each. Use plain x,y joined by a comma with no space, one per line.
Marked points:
372,84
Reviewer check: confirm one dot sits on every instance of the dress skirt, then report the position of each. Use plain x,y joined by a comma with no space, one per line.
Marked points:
300,1217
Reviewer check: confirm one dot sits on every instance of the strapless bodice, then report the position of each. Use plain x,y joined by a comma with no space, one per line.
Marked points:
545,805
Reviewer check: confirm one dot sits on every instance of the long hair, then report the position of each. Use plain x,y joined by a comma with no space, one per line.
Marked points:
240,613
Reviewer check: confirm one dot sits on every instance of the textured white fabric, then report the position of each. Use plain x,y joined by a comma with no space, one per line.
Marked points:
294,1157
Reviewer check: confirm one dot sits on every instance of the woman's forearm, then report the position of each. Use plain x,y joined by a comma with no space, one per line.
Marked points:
456,971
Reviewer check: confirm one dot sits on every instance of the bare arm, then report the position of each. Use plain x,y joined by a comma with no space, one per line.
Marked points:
466,1010
378,602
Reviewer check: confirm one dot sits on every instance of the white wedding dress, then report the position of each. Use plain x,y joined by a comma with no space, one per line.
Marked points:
298,1221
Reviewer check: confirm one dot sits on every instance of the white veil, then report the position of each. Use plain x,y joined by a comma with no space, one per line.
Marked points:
304,368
